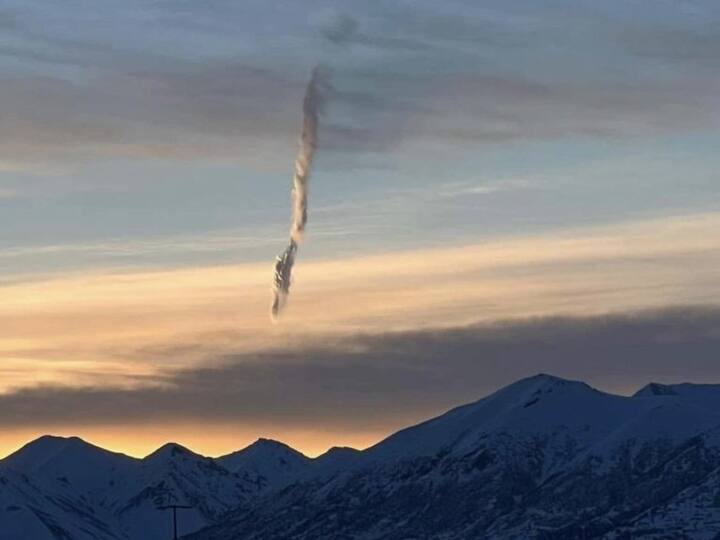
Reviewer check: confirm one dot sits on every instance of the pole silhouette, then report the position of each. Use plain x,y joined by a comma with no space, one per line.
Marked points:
174,508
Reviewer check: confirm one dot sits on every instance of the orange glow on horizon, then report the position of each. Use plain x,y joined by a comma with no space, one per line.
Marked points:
123,330
213,440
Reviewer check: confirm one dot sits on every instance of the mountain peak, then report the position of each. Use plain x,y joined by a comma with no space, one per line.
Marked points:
54,449
170,450
55,441
338,453
555,435
546,377
264,448
341,450
545,380
687,391
515,458
539,404
655,389
337,458
269,444
527,392
273,461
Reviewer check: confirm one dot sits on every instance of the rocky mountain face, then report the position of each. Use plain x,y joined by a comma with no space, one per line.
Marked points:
274,464
543,458
66,489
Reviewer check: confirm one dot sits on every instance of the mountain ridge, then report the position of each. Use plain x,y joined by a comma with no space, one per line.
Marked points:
493,468
651,388
544,457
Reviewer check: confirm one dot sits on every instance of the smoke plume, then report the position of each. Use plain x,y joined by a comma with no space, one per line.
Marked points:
303,165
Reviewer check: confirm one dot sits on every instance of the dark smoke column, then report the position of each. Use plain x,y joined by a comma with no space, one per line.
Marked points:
303,166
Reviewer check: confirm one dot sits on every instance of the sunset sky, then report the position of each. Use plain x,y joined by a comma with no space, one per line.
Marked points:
500,189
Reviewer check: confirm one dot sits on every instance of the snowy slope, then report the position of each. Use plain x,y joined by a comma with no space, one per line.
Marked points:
537,406
274,463
72,464
29,511
541,458
335,460
67,489
51,489
175,475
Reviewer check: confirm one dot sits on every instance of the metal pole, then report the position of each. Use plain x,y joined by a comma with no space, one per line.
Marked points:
174,508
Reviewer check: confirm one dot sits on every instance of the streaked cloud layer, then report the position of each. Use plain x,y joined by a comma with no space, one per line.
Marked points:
477,163
165,119
356,390
133,335
629,266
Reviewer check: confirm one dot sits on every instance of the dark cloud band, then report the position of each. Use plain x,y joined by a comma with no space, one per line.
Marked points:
383,381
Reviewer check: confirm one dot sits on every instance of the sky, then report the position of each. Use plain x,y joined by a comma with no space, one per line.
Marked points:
500,189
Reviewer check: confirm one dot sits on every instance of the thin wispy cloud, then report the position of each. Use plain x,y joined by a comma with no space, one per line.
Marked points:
127,316
478,163
409,87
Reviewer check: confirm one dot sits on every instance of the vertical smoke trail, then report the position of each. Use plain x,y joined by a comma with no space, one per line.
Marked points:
303,165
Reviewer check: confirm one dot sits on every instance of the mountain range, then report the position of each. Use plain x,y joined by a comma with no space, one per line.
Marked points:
543,458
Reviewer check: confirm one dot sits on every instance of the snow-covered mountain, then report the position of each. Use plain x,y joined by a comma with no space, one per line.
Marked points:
57,488
175,475
33,511
275,464
543,458
337,459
